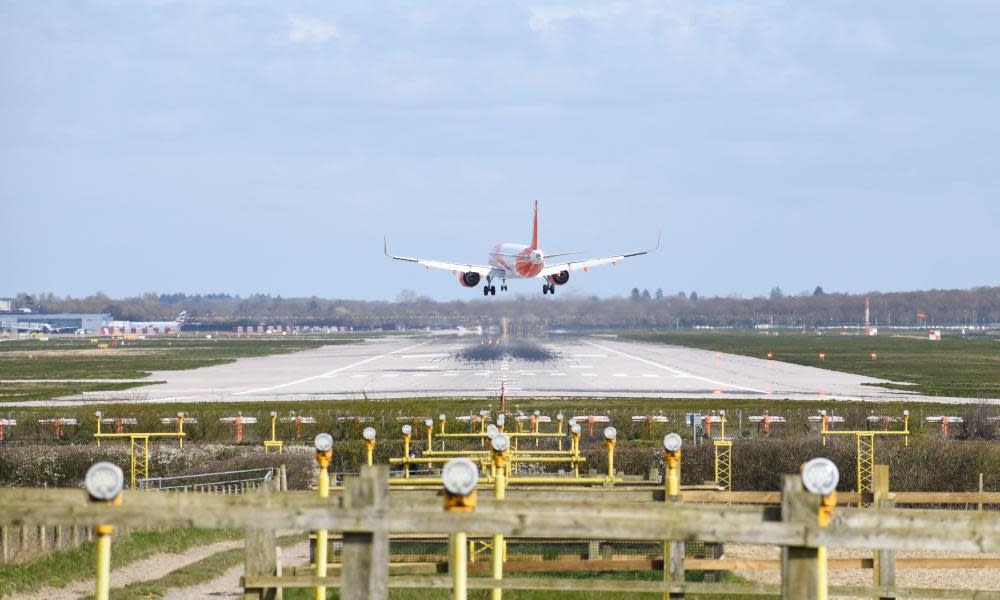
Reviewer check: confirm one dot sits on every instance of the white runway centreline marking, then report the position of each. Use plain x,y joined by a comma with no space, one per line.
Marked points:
328,373
674,371
588,374
620,375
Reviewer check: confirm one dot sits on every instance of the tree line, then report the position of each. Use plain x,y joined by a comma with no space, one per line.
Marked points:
967,307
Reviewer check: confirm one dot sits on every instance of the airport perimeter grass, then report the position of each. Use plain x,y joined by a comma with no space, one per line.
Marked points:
30,361
955,366
61,567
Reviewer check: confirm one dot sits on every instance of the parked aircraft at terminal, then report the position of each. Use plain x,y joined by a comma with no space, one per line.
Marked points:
519,261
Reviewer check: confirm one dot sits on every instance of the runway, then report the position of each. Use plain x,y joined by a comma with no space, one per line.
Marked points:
587,366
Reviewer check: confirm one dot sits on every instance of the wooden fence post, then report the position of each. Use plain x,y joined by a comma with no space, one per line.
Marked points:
675,559
260,559
365,554
884,561
4,544
799,564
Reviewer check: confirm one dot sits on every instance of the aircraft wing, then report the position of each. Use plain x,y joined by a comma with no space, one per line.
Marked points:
576,265
439,264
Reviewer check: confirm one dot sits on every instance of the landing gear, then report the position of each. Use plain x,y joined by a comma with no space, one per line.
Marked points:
489,290
493,290
503,285
549,288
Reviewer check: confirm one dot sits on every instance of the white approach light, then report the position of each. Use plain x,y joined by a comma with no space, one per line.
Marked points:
559,417
820,476
368,433
407,430
104,481
575,428
672,442
460,476
429,423
538,413
98,414
323,442
501,420
442,417
274,413
500,442
610,433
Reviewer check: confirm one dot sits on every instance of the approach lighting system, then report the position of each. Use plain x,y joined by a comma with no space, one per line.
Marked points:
501,420
274,413
559,417
820,476
575,428
368,433
538,413
491,430
98,414
610,433
323,442
429,423
104,481
672,442
460,476
442,417
407,430
500,443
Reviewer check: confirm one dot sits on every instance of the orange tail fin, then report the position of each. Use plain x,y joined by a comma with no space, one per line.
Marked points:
534,228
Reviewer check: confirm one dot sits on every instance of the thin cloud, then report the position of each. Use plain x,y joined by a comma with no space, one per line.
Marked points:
310,30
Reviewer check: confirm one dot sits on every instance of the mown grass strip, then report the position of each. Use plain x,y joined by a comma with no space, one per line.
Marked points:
954,366
59,568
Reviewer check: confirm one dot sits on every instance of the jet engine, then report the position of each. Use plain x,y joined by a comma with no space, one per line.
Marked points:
560,278
469,278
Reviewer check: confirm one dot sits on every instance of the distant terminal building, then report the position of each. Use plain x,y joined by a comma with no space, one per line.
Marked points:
60,321
6,305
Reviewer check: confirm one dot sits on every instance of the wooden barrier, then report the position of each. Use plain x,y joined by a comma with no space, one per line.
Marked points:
367,514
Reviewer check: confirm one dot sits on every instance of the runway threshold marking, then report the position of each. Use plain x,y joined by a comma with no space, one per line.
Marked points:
673,370
328,373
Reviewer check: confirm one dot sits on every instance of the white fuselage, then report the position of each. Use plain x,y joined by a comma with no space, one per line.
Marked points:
517,261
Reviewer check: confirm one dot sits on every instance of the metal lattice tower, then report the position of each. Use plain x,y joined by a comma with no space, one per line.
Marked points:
866,465
724,464
140,457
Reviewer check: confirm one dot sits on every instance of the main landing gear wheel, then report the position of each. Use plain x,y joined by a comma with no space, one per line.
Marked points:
493,290
486,290
552,289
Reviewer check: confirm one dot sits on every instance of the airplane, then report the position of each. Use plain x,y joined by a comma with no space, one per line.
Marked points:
146,327
518,261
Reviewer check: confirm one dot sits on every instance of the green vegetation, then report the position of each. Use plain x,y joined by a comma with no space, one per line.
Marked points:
967,368
61,567
198,572
77,358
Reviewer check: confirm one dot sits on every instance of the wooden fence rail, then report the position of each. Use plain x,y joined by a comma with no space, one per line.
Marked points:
366,514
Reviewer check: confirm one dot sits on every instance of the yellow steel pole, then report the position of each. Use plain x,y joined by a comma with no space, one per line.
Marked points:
406,455
98,414
369,448
323,484
459,560
673,485
102,587
610,445
827,504
499,491
180,430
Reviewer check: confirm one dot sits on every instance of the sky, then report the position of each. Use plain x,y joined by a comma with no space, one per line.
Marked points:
245,147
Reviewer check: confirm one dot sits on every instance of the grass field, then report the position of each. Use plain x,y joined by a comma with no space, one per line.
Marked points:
966,368
27,363
58,568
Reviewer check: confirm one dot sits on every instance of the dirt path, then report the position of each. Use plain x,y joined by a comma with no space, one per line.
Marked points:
227,585
983,579
154,567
